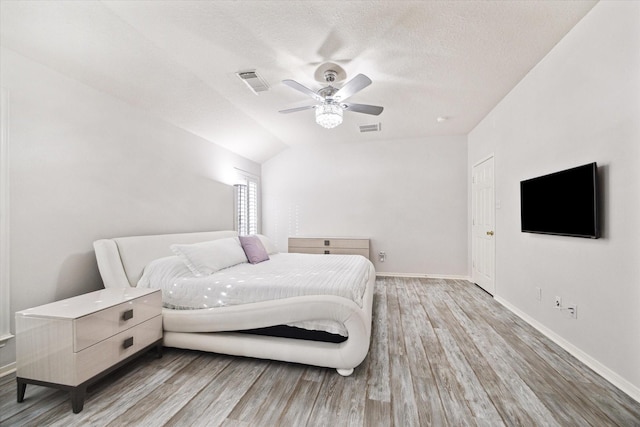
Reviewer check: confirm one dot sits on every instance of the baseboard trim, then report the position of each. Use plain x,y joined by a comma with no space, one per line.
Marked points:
605,372
423,276
7,369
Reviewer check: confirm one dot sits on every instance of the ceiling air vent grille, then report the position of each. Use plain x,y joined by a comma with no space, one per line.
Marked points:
255,82
377,127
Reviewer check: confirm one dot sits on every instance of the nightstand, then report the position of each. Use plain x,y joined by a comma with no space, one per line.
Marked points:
72,343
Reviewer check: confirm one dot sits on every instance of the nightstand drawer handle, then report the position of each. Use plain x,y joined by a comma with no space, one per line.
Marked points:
327,252
327,243
128,342
127,315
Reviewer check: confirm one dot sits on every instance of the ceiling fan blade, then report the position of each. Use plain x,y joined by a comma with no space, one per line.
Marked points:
353,86
293,110
297,86
363,108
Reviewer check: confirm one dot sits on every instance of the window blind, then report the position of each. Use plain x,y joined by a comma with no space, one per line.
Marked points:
247,206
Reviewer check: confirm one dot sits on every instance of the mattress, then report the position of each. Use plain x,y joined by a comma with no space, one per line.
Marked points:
283,276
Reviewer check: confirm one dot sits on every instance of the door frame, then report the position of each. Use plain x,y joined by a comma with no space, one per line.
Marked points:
5,300
491,288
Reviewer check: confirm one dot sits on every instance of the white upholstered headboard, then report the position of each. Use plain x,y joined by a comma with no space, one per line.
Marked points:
121,260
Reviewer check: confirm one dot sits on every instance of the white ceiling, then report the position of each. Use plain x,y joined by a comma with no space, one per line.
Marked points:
178,59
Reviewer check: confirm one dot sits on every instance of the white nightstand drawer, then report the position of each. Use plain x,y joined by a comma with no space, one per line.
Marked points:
319,242
96,327
330,245
331,251
95,359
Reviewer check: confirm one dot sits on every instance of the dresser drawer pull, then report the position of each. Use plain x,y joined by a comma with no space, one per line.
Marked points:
128,342
127,314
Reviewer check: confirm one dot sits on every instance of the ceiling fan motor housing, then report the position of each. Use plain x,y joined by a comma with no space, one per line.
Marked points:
327,92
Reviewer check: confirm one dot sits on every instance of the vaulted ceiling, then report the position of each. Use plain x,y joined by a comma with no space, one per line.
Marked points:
178,60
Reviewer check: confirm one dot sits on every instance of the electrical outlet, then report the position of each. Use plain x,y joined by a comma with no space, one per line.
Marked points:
558,302
571,311
382,256
539,294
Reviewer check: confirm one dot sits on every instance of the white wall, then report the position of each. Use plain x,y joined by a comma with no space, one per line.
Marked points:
580,104
408,196
84,166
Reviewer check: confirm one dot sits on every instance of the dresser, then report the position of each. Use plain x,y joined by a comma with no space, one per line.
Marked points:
330,245
71,343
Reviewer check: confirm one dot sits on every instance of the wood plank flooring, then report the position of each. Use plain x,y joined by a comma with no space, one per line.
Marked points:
443,353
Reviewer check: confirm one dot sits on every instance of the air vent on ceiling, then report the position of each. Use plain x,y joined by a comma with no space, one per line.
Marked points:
255,82
377,127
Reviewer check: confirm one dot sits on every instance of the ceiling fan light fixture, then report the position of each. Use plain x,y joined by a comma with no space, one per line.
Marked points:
328,115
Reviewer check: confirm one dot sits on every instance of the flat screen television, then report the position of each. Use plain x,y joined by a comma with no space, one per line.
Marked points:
563,203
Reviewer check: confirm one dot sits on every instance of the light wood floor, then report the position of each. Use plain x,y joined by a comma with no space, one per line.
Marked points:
443,353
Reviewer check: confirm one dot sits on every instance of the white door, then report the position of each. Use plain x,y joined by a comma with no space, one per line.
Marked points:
483,242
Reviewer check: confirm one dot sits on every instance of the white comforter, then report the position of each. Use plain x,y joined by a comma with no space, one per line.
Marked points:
283,276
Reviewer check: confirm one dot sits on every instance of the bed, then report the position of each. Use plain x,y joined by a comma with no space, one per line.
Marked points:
124,261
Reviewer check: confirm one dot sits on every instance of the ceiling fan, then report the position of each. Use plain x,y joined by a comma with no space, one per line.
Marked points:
331,100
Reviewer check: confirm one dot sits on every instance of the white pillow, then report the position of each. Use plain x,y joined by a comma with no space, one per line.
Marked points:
208,257
162,269
269,247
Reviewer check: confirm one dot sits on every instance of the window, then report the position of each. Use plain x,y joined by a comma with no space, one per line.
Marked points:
247,205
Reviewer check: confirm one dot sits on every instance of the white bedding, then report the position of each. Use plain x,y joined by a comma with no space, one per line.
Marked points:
283,276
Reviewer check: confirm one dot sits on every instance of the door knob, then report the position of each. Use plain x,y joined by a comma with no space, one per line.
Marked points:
489,233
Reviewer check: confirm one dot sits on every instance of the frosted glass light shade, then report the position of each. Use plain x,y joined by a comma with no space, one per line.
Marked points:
328,115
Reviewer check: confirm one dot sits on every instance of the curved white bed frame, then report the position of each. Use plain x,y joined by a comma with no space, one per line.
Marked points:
121,262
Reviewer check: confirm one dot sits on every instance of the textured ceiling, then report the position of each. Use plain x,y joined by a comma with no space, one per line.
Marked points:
178,59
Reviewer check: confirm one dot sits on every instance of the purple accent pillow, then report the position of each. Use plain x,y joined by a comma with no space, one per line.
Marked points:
254,249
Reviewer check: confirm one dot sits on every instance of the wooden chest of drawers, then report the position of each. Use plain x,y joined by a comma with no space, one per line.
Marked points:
330,245
70,343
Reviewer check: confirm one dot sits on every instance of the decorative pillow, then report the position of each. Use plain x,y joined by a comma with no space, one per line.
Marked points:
161,269
269,247
253,248
208,257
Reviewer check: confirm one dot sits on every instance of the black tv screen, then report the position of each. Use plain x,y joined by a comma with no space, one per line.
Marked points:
563,203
